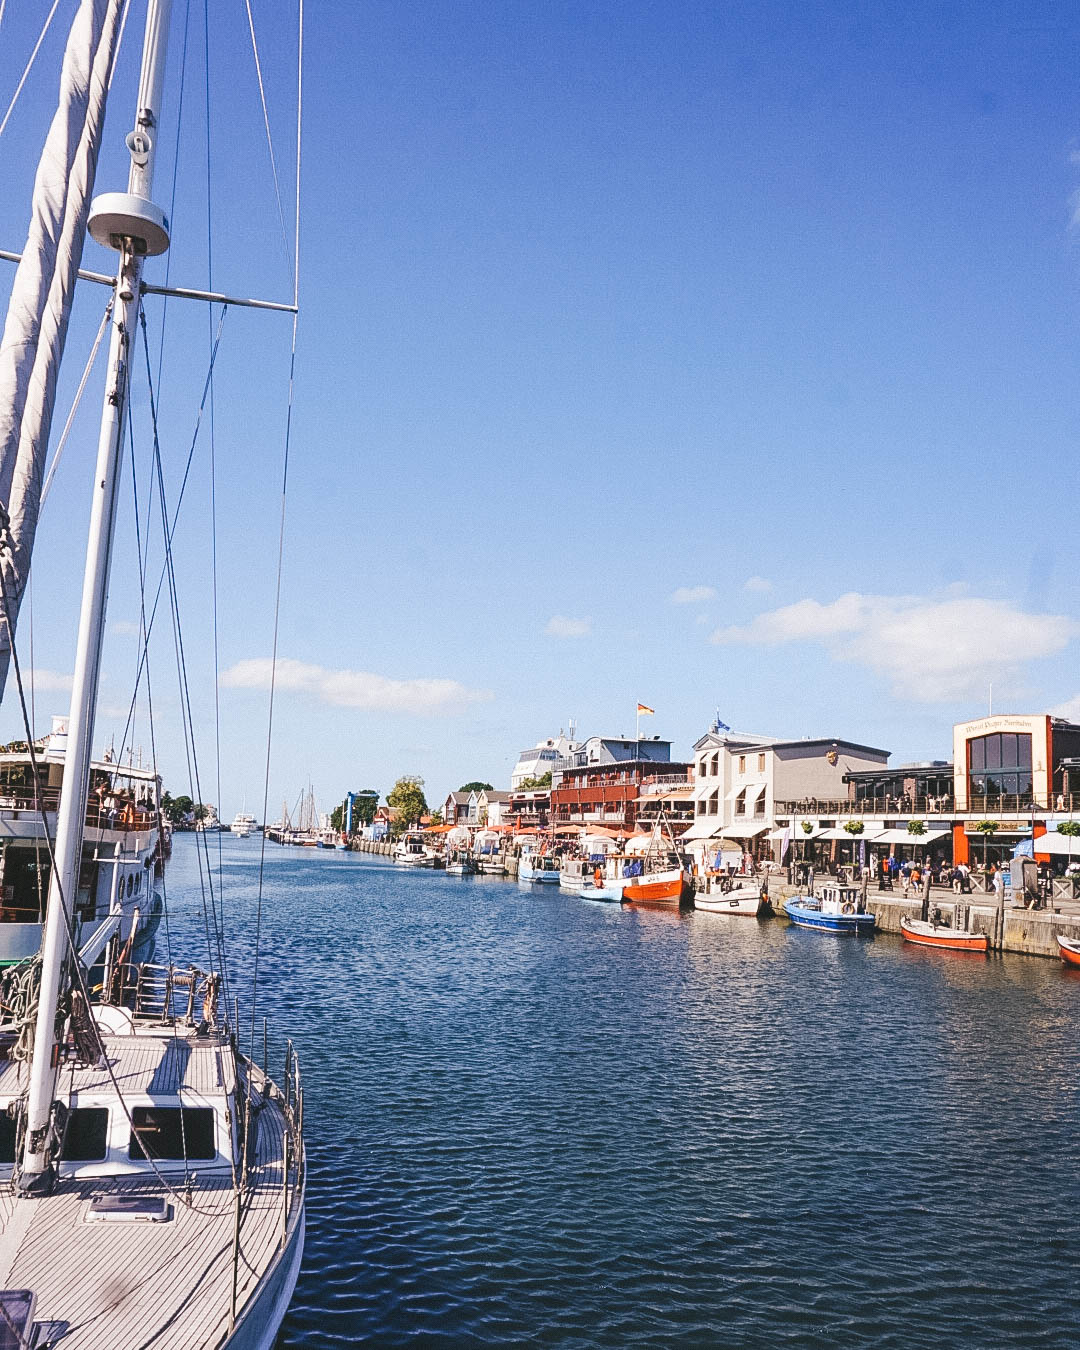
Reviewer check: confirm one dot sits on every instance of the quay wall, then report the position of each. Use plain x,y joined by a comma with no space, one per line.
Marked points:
1029,932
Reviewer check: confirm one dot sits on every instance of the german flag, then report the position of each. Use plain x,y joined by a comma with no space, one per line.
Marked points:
642,708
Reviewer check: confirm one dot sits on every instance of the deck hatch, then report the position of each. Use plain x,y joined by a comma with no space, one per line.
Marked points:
120,1208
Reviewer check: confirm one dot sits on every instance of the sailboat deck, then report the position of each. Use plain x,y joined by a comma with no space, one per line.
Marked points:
145,1065
122,1285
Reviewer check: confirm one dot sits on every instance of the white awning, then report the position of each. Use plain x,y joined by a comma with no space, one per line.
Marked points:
840,833
903,837
1055,843
780,833
753,792
742,831
704,827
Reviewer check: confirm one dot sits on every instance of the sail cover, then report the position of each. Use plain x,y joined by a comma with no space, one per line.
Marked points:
40,304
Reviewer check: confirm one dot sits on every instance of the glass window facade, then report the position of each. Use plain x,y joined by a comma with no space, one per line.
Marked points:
1000,765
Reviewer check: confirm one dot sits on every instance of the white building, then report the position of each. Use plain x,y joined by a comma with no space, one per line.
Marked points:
541,758
747,788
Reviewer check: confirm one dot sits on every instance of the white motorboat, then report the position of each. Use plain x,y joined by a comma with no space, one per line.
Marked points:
411,851
155,1175
746,899
243,825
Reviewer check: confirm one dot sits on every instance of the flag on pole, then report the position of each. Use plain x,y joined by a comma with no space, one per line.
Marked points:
641,708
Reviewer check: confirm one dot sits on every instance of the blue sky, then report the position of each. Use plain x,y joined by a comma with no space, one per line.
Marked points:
713,356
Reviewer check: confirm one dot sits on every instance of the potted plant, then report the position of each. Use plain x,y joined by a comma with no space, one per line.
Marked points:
987,828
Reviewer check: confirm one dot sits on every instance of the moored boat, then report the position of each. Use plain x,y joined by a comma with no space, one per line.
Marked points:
593,878
747,901
1069,949
537,865
926,934
836,910
411,851
155,1173
667,887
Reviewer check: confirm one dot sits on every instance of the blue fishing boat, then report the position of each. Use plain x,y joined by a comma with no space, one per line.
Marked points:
836,909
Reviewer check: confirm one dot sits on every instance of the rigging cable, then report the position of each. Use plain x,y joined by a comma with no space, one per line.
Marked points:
213,469
281,526
29,64
168,570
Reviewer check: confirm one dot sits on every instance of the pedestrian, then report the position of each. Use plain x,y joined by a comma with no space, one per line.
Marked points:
999,887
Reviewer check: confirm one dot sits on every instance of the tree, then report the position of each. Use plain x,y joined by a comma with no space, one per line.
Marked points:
176,810
407,796
364,806
470,787
436,817
532,784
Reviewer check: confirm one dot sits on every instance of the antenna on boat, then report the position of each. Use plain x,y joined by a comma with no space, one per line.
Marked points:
136,228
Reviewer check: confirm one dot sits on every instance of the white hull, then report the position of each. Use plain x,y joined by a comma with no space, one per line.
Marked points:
746,901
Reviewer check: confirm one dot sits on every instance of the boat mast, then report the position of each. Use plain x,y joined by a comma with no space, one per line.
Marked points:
130,223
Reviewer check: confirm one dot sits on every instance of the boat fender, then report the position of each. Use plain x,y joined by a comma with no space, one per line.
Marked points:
598,878
847,907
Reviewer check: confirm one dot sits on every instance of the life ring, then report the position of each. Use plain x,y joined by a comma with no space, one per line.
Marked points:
847,907
598,878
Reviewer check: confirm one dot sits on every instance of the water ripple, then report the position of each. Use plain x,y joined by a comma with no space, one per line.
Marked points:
532,1119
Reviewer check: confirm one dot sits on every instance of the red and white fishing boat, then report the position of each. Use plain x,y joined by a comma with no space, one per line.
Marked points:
663,876
656,888
937,935
1069,949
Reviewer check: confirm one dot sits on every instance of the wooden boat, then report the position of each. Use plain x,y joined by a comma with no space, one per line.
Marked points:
834,910
656,888
745,901
937,935
1069,949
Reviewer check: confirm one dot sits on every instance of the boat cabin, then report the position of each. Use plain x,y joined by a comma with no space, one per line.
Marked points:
837,898
175,1113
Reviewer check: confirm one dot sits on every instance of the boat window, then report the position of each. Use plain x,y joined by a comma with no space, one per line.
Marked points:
7,1137
166,1134
87,1134
131,882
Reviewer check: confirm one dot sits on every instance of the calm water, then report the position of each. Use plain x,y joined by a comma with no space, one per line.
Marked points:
532,1118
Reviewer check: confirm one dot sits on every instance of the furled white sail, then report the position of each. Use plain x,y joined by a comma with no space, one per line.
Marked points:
41,297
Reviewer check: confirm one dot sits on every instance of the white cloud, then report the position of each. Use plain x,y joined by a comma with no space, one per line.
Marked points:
46,681
124,627
693,595
356,688
758,585
1069,710
561,627
930,648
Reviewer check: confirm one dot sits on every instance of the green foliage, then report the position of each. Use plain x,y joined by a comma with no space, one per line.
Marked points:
407,795
807,827
1069,828
470,787
917,827
177,809
533,784
436,817
854,826
987,826
364,806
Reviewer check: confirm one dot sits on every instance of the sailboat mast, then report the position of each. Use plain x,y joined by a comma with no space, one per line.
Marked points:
130,223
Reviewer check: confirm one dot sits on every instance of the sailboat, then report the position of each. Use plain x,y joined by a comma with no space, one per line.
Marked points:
157,1173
